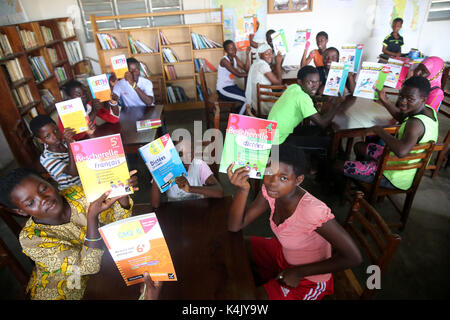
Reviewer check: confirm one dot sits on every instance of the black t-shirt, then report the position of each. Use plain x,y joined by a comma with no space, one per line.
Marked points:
392,44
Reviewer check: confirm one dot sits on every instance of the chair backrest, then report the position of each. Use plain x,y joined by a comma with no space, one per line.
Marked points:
445,105
266,93
158,91
373,235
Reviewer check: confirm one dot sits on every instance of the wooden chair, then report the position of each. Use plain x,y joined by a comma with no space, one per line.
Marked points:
374,190
442,156
377,243
158,91
265,93
214,107
9,260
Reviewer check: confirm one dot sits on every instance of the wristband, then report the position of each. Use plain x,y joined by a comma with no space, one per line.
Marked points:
134,85
113,104
92,240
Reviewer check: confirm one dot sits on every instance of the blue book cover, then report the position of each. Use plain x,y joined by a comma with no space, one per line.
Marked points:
337,77
163,162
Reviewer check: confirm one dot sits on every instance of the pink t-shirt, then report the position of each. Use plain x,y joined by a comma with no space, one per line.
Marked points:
301,244
435,98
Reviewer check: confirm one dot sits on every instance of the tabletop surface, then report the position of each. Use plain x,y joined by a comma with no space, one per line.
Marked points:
210,262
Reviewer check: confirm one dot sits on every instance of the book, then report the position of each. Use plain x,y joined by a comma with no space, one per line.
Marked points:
301,36
119,65
102,166
248,141
163,161
351,54
337,77
398,71
148,124
250,24
137,245
279,42
99,86
72,114
372,75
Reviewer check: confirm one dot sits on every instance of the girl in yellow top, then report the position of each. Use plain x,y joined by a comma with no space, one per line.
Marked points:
61,236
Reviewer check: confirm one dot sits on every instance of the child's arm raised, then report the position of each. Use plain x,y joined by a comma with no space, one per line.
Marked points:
389,105
239,218
211,189
306,60
71,167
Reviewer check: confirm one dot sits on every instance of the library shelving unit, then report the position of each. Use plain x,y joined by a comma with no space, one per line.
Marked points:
37,58
176,38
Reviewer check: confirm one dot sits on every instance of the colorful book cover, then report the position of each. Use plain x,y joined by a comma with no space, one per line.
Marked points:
250,24
398,71
137,245
337,77
351,54
372,75
72,114
279,42
241,40
148,124
99,86
163,162
119,65
301,36
248,141
102,166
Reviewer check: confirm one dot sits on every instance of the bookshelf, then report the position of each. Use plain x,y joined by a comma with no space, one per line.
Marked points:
176,39
36,59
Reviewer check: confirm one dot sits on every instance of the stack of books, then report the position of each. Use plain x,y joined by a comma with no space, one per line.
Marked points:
170,72
138,46
60,74
169,55
202,63
5,46
39,68
107,41
176,94
47,34
201,42
28,38
14,70
66,29
52,55
73,50
22,96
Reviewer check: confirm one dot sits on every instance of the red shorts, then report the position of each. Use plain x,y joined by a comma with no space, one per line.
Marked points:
269,259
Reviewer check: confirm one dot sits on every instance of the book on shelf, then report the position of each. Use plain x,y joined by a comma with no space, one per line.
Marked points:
176,94
119,65
16,98
170,72
73,50
199,93
108,41
72,114
169,55
23,94
102,166
137,46
202,63
148,124
47,98
14,70
137,245
202,42
163,162
164,40
5,46
144,69
336,79
47,34
39,68
60,74
99,86
371,75
398,71
52,55
248,141
351,54
66,29
28,38
156,43
279,42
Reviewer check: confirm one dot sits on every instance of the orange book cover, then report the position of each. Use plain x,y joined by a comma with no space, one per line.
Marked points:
137,245
119,65
99,86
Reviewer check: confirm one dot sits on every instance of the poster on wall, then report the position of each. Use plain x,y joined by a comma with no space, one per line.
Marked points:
12,12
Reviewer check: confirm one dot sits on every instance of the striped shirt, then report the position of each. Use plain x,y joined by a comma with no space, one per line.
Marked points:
54,163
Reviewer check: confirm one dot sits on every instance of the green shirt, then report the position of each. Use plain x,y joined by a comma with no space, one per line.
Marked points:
291,108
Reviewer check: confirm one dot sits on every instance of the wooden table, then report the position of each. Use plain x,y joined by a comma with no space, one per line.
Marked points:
131,138
210,262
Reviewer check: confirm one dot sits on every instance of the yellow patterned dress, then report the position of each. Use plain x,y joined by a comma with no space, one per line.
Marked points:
63,262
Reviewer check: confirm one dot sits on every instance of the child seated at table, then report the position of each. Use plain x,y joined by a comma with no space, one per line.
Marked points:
419,124
61,235
199,183
392,44
57,157
317,54
134,90
309,245
226,87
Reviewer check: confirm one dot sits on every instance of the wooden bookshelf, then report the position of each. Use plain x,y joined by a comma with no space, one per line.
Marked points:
180,42
15,114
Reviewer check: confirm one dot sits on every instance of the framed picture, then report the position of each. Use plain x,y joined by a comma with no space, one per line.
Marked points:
288,6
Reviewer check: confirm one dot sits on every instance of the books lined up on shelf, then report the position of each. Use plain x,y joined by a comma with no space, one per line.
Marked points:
372,75
164,40
176,94
47,34
144,69
73,50
201,42
28,38
170,72
137,46
22,96
202,63
100,88
47,98
169,55
200,93
60,74
5,46
52,55
66,29
107,41
39,68
14,70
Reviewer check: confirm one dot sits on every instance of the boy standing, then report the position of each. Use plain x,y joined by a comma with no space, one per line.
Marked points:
392,44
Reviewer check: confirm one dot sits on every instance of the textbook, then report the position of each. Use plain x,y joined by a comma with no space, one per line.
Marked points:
248,141
163,161
279,42
301,36
119,65
351,54
371,75
337,77
99,86
137,245
250,24
148,124
102,166
72,114
398,71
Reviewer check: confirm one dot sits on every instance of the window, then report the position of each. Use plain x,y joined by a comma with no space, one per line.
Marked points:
439,10
121,7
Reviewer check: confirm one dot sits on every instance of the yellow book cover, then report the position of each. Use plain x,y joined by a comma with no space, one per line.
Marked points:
119,65
102,166
137,245
72,114
99,86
